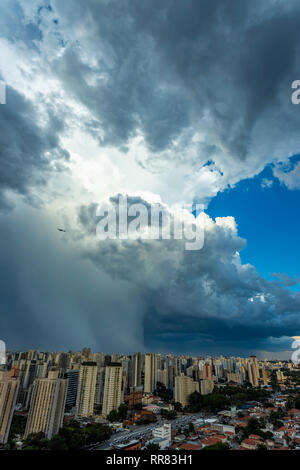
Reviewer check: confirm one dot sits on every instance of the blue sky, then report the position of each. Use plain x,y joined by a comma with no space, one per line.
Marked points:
268,217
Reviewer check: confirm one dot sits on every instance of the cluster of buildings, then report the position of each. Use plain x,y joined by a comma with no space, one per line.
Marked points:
226,428
47,387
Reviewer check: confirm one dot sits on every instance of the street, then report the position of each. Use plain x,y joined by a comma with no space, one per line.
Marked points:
144,432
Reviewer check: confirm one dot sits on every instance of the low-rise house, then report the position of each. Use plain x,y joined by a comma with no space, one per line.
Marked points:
196,445
249,444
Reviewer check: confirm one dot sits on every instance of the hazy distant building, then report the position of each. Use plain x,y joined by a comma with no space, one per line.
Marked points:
113,388
266,374
184,386
86,389
8,397
107,360
234,377
47,405
219,370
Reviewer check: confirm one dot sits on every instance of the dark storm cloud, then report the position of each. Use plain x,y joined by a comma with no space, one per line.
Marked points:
28,151
210,336
286,280
204,299
53,299
165,70
169,69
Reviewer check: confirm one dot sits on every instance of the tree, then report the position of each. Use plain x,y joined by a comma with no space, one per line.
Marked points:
168,414
166,394
113,416
76,438
177,406
36,441
58,443
191,428
297,403
274,381
11,445
254,427
122,411
289,404
218,446
152,446
195,401
215,402
18,425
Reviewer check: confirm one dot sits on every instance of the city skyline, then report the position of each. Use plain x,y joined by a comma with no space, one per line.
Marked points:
86,400
145,353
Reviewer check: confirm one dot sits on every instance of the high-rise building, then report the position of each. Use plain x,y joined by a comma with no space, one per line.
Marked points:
178,366
126,366
136,370
72,376
280,376
150,373
100,385
184,386
86,389
266,374
234,377
207,386
86,352
8,397
135,396
253,371
219,372
47,405
107,360
62,361
113,388
29,374
229,364
170,371
206,372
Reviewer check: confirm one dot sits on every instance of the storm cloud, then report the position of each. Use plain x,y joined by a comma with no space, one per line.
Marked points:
197,80
29,150
196,297
167,100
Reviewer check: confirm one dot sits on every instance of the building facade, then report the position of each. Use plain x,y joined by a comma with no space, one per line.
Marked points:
113,388
184,386
9,387
86,389
47,405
